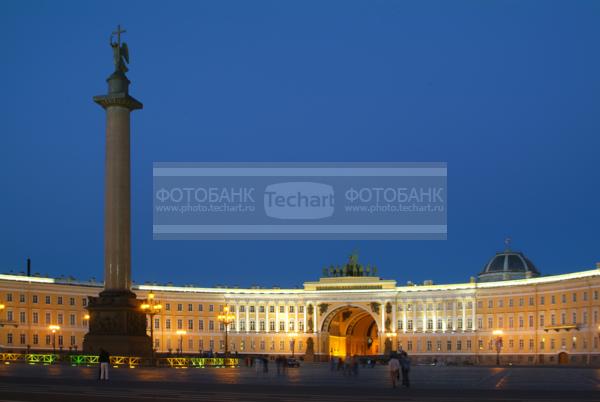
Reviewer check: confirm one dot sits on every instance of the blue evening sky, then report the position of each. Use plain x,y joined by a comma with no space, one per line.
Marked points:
506,92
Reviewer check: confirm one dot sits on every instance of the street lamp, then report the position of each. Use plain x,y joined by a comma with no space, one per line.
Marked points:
498,341
181,333
151,307
226,319
293,336
53,329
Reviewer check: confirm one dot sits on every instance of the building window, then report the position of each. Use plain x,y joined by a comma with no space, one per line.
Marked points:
541,320
459,323
261,309
521,302
271,309
262,327
179,307
211,308
252,325
168,323
34,299
9,338
252,309
22,317
10,299
469,323
59,300
200,307
574,297
35,317
409,325
553,299
179,323
21,298
282,309
190,308
469,344
301,326
542,300
429,324
242,309
531,301
301,309
211,325
291,327
46,299
282,325
510,302
191,325
530,321
72,320
84,302
168,306
429,346
458,345
242,325
521,344
521,322
574,317
448,346
440,324
291,309
48,318
22,339
490,303
71,301
200,325
511,343
36,339
157,323
409,345
60,340
47,339
60,318
501,303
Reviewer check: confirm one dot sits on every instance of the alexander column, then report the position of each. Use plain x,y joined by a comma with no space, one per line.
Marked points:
117,323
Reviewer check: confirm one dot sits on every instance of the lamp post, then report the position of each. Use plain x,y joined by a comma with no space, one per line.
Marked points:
293,336
226,318
151,307
181,333
498,342
53,329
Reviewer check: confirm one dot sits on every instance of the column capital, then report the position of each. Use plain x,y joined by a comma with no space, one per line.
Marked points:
118,99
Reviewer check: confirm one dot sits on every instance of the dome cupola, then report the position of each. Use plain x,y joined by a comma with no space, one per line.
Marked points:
508,265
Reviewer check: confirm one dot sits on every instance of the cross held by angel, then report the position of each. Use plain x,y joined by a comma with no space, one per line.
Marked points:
120,51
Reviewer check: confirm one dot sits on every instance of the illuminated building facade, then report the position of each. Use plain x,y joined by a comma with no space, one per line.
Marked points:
509,310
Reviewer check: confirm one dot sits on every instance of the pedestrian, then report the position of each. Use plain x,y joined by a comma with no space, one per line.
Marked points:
405,365
103,359
355,365
332,363
394,368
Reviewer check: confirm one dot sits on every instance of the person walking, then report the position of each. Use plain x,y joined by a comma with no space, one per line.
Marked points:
103,359
394,368
405,365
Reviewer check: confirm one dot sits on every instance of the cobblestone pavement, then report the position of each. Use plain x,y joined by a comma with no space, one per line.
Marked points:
311,382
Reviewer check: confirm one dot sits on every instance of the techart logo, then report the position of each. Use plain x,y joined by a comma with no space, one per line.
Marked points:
299,200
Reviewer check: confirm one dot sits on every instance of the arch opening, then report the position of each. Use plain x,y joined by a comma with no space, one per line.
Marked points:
350,331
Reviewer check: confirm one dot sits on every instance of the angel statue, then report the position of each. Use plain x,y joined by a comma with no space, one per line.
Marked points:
120,51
